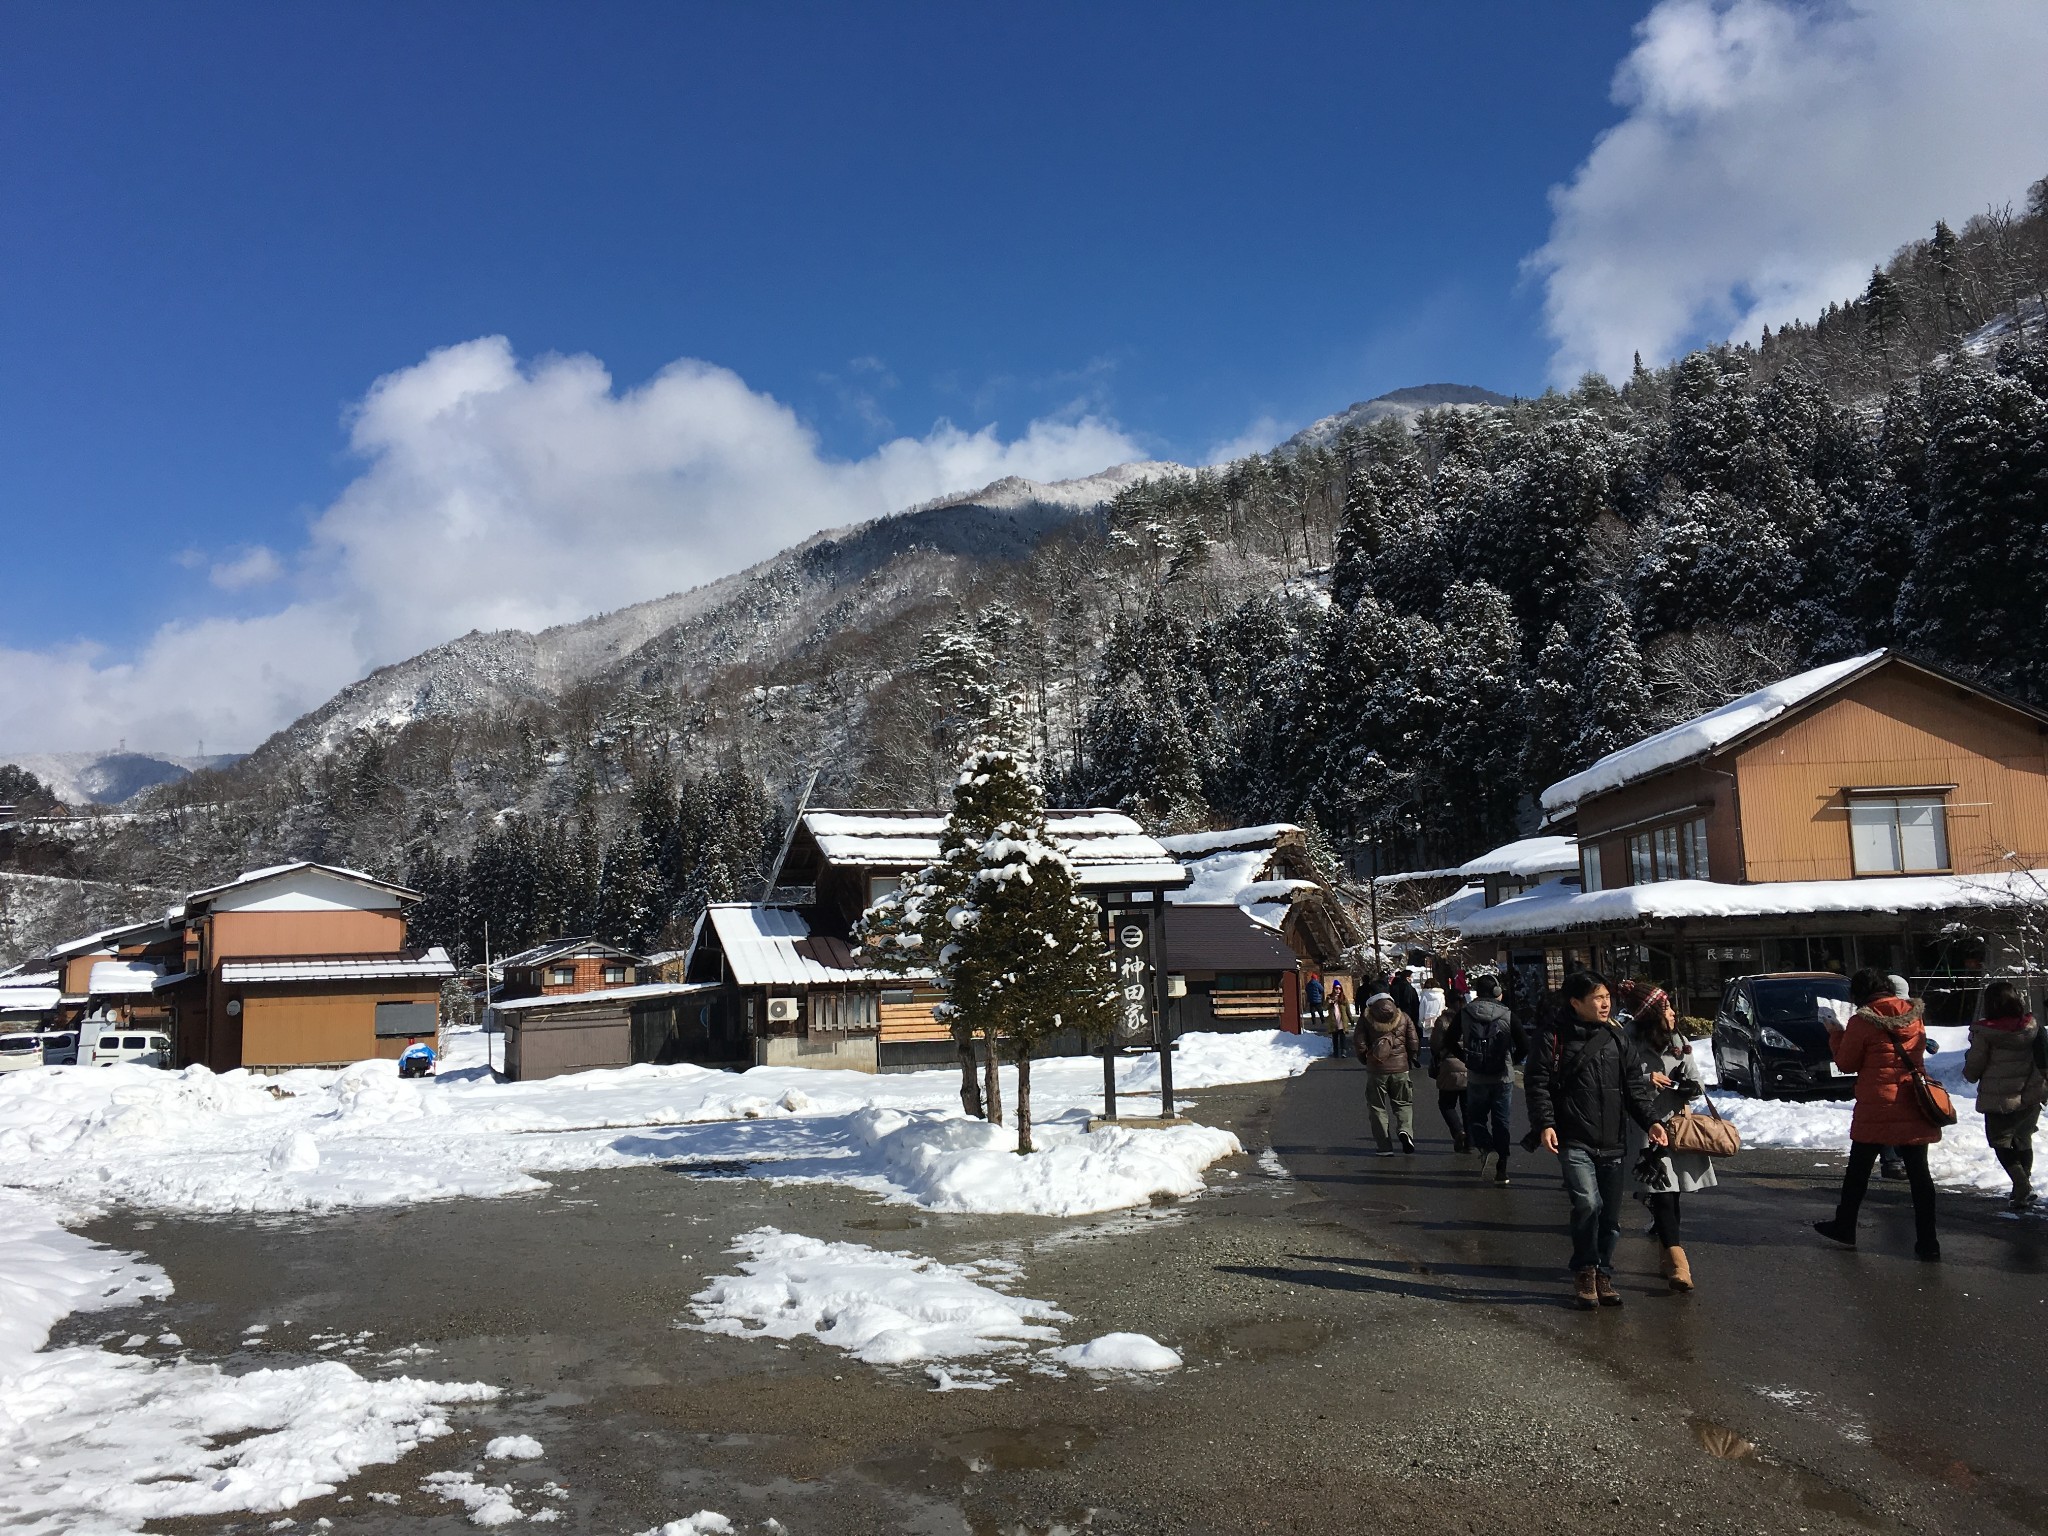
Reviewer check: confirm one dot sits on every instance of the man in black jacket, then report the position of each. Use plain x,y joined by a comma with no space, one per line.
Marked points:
1585,1081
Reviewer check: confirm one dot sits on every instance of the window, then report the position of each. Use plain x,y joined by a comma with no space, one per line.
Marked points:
110,1042
615,975
844,1010
882,885
562,976
1898,834
1676,852
399,1020
1589,869
134,1043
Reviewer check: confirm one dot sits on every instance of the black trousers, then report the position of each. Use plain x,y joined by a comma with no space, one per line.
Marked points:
1452,1107
1664,1212
1862,1158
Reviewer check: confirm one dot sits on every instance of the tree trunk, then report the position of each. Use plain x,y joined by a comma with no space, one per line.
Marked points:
970,1076
1024,1098
992,1079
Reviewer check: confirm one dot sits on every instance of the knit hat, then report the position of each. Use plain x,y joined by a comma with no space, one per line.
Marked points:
1900,986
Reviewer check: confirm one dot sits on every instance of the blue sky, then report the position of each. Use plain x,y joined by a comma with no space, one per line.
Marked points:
1159,230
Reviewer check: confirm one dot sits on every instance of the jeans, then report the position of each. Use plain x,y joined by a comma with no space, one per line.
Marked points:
1391,1097
1593,1182
1452,1107
1862,1156
1489,1107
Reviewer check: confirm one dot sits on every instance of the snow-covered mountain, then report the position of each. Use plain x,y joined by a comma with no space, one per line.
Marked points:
108,778
1402,405
760,613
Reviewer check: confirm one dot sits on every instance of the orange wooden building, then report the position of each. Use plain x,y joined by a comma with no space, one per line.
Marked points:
1873,812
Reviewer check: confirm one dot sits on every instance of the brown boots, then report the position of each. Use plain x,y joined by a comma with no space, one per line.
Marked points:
1676,1270
1588,1294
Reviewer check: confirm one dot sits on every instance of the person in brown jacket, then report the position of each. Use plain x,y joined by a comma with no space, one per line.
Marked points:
2004,1062
1391,1047
1883,1035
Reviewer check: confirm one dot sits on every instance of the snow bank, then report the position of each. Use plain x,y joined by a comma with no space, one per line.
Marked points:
314,1140
706,1522
1960,1160
99,1441
882,1308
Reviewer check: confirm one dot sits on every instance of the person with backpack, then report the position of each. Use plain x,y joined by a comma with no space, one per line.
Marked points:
1401,989
1663,1177
1312,1002
1883,1044
2008,1061
1389,1046
1447,1066
1486,1038
1586,1081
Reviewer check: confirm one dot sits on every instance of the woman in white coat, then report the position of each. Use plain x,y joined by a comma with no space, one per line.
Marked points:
1662,1176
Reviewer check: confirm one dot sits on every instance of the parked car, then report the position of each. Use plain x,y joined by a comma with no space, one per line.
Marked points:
60,1049
1771,1038
106,1047
20,1050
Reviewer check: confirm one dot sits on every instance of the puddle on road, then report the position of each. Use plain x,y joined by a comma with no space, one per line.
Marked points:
1271,1338
956,1459
1725,1444
884,1223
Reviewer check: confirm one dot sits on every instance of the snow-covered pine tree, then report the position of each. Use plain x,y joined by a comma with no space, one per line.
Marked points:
1016,944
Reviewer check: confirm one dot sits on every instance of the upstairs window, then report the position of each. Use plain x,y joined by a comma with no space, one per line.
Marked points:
562,976
1900,834
615,975
1589,869
1674,852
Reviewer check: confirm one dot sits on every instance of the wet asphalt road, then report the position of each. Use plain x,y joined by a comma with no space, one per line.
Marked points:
1369,1347
1869,1365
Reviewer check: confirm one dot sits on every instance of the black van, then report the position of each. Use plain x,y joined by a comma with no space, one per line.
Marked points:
1771,1038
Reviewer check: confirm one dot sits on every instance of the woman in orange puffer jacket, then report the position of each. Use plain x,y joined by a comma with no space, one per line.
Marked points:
1887,1112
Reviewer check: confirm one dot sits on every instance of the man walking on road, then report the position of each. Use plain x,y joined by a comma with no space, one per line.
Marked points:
1585,1080
1486,1035
1390,1046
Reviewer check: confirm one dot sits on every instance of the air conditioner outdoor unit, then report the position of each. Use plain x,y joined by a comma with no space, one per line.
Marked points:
781,1010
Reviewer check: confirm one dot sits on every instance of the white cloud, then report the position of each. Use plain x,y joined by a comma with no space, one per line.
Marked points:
256,566
1772,152
1261,435
497,494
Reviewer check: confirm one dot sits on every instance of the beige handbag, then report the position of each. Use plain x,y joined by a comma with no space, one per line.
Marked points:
1707,1133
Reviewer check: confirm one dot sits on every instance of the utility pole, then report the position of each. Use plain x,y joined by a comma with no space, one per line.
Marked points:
1372,894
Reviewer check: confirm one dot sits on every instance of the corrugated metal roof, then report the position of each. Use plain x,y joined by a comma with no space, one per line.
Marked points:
773,947
556,949
605,995
434,965
258,876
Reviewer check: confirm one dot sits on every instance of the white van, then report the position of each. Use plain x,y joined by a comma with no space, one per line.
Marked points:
103,1046
20,1050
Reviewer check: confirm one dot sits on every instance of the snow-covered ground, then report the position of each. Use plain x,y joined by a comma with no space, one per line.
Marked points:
98,1440
1960,1160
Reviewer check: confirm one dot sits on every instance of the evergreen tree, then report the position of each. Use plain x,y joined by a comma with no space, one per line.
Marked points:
1014,941
1473,754
1884,316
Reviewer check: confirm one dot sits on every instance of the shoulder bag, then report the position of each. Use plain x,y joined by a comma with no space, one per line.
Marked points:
1929,1097
1707,1133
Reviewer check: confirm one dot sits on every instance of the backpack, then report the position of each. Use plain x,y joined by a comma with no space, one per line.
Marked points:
1488,1043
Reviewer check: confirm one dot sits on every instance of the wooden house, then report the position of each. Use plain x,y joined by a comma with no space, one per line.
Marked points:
789,978
1269,874
1239,972
659,1022
1872,812
563,966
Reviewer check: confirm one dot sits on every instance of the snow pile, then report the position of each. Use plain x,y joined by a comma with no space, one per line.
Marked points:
488,1503
513,1448
706,1522
1119,1352
312,1140
882,1308
100,1442
1698,736
893,1309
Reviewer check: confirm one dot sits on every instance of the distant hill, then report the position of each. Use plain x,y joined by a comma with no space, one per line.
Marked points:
109,778
1398,404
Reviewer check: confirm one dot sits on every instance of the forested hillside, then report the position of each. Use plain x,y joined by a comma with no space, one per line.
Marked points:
1401,632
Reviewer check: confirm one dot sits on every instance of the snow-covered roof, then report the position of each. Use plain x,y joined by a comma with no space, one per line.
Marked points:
556,949
1199,845
131,978
21,976
1557,905
278,871
433,965
106,938
773,947
1107,848
1702,734
29,999
1548,855
604,995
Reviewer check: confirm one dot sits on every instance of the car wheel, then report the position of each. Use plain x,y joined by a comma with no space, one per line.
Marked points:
1759,1084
